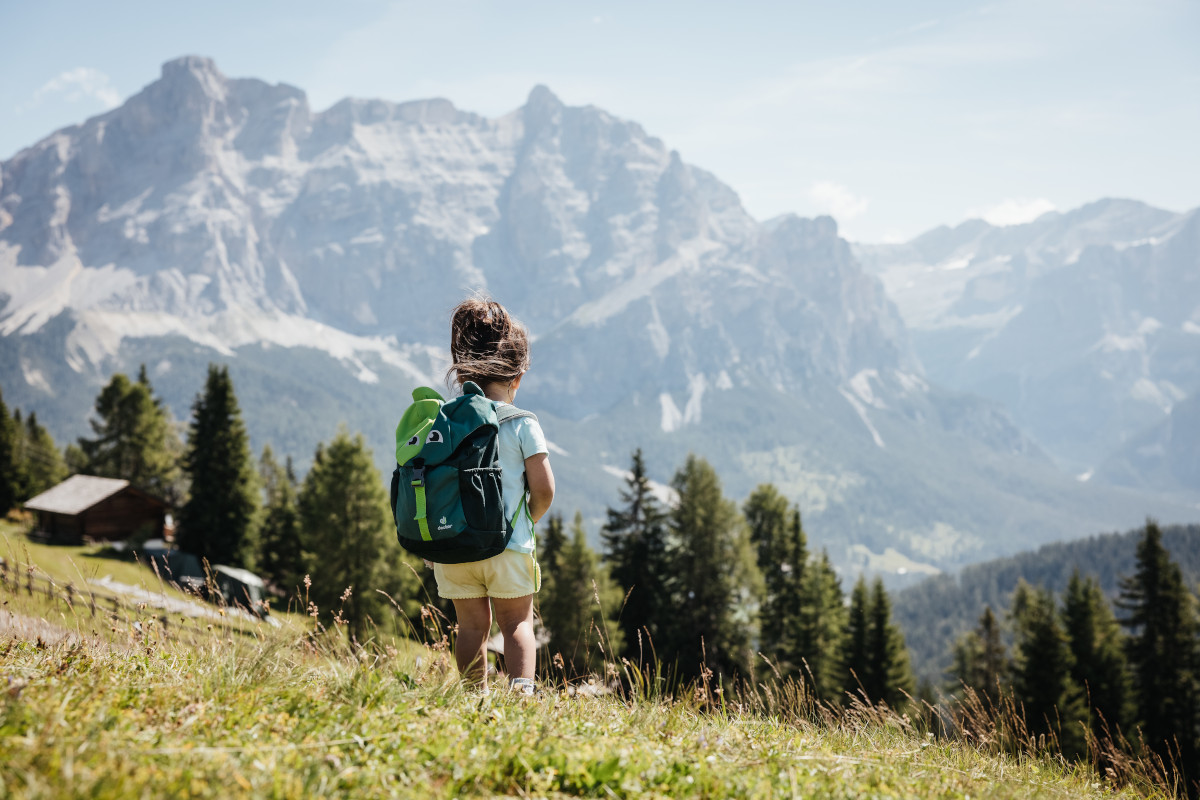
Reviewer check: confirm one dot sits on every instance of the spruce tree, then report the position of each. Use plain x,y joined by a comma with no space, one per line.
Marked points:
20,455
889,677
11,479
635,543
551,543
1098,647
714,581
217,522
44,466
768,519
280,559
791,603
821,627
857,680
134,438
579,604
1162,624
1042,684
980,659
349,541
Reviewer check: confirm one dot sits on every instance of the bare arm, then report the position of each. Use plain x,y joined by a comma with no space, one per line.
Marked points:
541,484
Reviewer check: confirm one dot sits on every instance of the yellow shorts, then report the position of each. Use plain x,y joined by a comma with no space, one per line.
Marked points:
508,575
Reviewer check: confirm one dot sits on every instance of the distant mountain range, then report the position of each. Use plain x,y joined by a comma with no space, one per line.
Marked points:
936,611
1084,325
319,255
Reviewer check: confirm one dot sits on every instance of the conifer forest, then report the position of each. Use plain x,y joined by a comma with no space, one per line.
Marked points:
691,587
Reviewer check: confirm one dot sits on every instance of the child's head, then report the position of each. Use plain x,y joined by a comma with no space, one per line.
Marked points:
487,345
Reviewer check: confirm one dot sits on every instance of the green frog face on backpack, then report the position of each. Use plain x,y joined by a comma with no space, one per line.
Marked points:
421,431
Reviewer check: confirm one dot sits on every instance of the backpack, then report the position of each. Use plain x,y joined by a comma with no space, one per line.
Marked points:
446,492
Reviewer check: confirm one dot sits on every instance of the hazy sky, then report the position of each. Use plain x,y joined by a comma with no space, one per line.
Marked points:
894,117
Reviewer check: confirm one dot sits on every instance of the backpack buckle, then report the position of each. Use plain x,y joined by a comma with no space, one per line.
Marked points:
418,472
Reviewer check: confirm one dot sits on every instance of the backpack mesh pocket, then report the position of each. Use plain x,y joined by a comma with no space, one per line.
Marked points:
482,503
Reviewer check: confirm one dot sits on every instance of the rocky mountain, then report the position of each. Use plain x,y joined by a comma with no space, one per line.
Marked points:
1166,455
319,253
1084,325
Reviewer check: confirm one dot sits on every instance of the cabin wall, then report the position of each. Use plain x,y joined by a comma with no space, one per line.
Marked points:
114,519
122,515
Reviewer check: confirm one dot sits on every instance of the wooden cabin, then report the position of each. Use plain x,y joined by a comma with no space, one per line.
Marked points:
85,508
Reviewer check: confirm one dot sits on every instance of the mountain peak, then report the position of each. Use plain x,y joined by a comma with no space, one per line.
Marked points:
542,107
189,73
541,96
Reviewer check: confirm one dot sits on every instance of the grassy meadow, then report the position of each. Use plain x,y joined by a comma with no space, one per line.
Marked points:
97,707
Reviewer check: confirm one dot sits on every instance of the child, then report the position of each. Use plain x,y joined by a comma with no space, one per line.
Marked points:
491,348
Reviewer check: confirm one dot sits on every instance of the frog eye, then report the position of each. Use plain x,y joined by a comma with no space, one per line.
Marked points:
413,441
435,437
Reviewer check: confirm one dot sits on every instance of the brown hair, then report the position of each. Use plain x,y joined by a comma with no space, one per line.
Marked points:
486,343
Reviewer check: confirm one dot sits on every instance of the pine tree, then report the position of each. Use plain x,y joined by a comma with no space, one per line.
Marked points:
135,438
579,603
1042,684
1098,647
43,463
821,627
768,519
714,583
349,541
551,543
635,543
981,660
217,522
1162,624
791,602
280,559
11,479
889,673
856,645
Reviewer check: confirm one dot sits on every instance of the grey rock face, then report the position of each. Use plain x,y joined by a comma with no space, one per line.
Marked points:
207,195
320,253
1085,325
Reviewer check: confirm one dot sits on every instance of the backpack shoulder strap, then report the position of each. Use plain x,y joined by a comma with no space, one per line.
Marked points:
509,411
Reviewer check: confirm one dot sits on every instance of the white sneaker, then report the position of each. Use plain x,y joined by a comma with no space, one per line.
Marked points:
521,685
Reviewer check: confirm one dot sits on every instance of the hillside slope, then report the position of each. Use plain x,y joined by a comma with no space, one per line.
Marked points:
268,720
938,610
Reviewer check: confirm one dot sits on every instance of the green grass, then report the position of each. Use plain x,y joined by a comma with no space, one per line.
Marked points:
285,714
77,566
278,719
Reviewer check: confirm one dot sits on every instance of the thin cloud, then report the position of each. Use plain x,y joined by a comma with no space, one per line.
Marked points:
74,85
836,200
1013,211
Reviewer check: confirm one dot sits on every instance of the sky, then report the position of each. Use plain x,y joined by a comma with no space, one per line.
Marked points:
893,117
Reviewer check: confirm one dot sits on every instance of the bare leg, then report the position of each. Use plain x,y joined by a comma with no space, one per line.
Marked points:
515,618
474,625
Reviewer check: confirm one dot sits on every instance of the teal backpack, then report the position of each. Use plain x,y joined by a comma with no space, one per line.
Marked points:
446,491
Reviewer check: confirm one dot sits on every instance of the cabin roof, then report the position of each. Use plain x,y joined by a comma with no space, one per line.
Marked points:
77,494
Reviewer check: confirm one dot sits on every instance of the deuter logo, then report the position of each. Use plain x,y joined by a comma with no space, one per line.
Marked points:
443,525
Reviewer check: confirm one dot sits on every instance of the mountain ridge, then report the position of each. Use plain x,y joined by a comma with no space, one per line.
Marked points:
1084,324
221,219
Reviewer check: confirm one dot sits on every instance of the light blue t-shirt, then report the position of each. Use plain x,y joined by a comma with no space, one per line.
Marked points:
519,439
